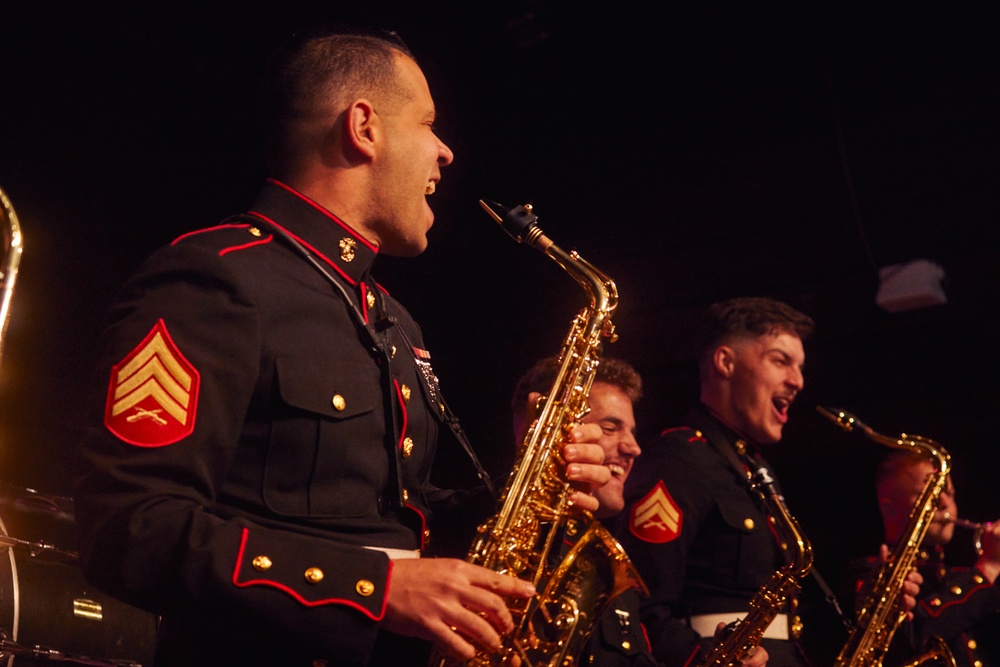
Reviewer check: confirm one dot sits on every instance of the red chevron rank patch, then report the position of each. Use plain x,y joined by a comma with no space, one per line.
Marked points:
153,395
656,517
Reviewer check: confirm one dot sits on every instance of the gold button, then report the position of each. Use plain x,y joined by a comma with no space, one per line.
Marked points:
956,590
427,535
978,579
748,523
407,447
338,402
796,626
741,447
698,434
972,644
364,587
254,231
261,563
977,663
406,495
314,575
626,645
405,391
936,602
392,352
371,299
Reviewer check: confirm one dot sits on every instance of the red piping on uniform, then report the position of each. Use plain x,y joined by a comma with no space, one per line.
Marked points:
207,229
691,657
299,598
311,249
402,409
245,245
325,212
937,612
222,252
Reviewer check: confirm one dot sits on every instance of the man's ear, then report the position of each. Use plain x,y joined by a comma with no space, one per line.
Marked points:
361,127
724,361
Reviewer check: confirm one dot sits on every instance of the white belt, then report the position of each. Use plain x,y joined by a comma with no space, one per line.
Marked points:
705,624
397,554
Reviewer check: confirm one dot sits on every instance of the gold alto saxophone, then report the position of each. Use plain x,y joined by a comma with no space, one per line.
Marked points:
526,537
881,612
744,634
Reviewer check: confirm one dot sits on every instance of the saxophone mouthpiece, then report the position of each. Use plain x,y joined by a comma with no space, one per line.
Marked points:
520,222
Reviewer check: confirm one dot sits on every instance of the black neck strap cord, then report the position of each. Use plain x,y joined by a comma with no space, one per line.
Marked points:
367,332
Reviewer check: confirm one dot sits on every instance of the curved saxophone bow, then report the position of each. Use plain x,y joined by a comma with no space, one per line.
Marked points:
528,536
881,612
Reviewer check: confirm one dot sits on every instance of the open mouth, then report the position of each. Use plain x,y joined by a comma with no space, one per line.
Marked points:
431,187
781,404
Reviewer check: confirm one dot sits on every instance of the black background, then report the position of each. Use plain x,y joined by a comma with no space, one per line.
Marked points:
693,151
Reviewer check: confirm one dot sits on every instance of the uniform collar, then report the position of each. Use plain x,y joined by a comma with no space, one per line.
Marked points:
328,237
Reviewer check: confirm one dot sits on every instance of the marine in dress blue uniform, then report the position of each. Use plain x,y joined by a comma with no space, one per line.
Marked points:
702,542
243,396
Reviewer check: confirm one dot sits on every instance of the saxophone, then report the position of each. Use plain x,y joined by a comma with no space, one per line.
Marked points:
738,638
881,612
526,537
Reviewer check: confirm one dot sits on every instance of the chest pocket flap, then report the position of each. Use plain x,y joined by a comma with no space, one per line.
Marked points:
338,389
740,512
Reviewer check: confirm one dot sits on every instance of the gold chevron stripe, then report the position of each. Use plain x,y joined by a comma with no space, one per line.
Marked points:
156,348
150,388
153,370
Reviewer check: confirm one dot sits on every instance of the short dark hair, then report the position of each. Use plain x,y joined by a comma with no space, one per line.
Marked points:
749,317
540,377
318,71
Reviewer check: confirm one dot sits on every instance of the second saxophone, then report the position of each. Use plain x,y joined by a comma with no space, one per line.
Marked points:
881,612
526,538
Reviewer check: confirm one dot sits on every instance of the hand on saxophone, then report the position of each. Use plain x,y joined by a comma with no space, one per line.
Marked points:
583,454
585,465
457,605
911,585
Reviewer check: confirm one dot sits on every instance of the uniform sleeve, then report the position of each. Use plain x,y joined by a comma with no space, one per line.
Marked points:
177,366
665,507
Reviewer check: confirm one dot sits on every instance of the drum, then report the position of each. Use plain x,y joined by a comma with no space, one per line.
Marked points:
48,613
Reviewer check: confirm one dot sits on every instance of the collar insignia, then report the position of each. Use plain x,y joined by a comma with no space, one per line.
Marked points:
347,246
